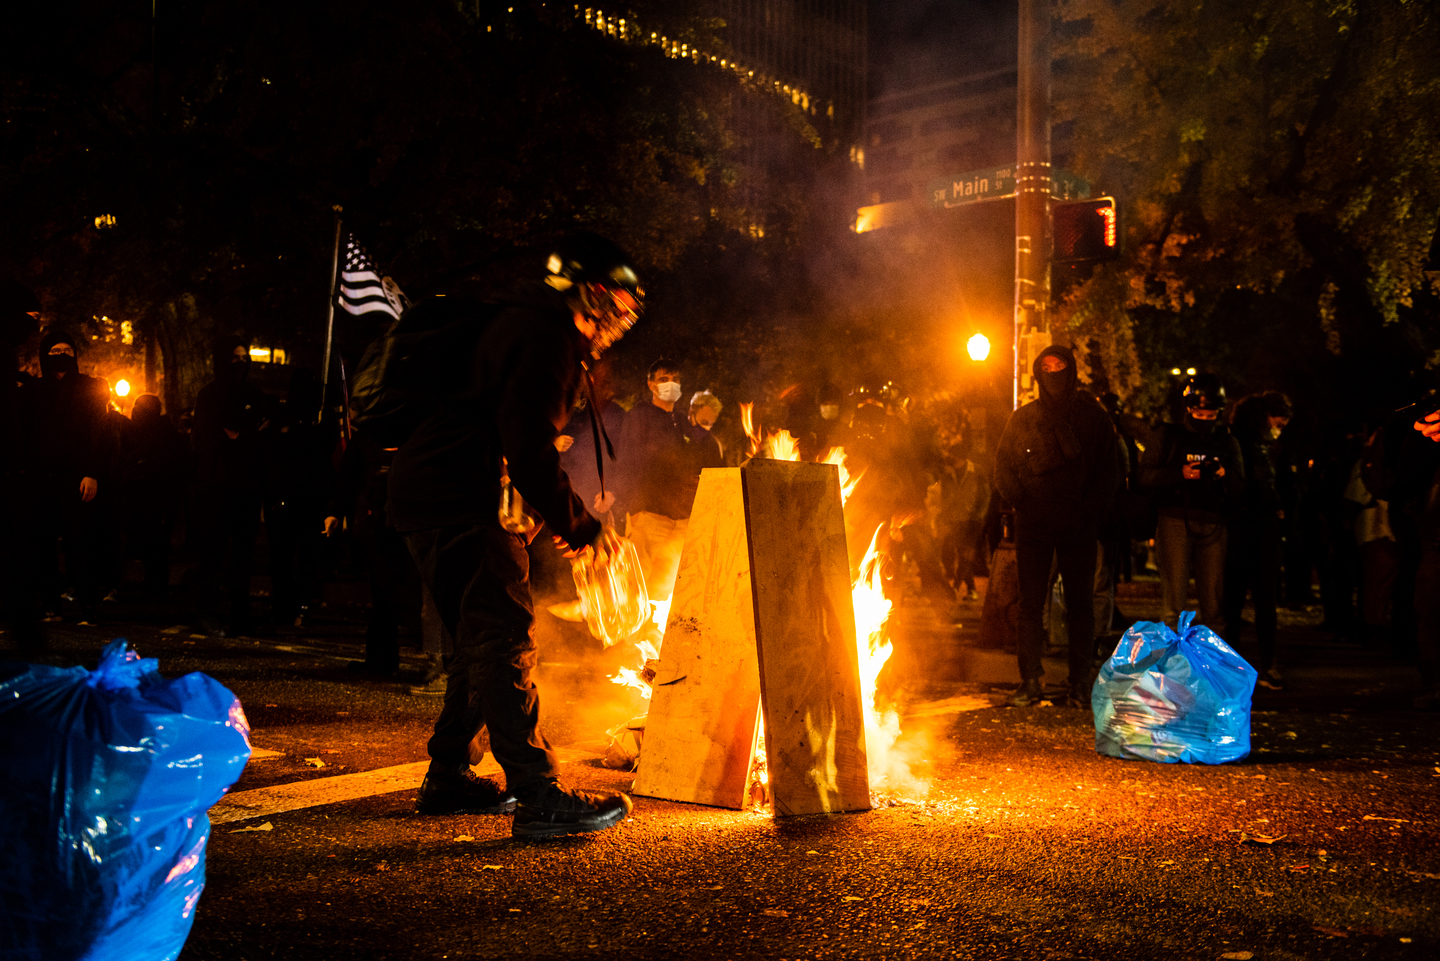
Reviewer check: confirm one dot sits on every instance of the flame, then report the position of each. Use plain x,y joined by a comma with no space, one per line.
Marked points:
836,456
636,677
887,764
747,421
781,446
661,615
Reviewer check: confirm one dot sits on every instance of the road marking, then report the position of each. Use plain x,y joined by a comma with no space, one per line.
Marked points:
265,801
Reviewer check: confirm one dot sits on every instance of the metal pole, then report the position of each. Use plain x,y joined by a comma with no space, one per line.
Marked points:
330,318
1032,188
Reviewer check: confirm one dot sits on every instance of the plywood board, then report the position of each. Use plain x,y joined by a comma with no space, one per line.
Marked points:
805,638
701,726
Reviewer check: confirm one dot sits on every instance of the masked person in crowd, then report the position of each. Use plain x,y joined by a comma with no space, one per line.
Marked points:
705,410
503,386
19,313
1253,543
66,451
231,416
1197,473
154,465
299,478
658,478
1056,466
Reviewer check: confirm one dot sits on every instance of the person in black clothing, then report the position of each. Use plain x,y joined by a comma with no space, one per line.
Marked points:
1198,475
706,448
658,478
1253,544
1418,497
66,453
360,491
298,481
506,396
576,445
154,460
231,416
19,311
1056,465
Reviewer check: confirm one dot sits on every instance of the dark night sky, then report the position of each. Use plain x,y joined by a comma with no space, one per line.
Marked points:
917,42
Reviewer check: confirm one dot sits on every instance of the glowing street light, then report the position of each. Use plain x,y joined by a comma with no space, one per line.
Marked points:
978,347
122,388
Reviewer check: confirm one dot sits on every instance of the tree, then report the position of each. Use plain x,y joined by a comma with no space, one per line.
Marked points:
188,184
1278,162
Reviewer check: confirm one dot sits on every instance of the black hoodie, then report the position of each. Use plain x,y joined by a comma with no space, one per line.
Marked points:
507,394
1056,463
65,435
227,466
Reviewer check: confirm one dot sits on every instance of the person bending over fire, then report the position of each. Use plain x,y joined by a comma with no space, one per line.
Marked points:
503,390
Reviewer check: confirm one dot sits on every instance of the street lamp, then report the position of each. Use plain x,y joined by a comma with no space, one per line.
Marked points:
122,388
978,347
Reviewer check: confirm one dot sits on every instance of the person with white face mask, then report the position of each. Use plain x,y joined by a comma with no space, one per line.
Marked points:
657,477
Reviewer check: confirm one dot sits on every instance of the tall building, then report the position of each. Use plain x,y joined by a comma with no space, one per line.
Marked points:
815,48
917,136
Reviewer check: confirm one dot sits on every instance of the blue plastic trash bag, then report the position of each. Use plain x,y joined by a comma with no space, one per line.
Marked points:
105,778
1173,697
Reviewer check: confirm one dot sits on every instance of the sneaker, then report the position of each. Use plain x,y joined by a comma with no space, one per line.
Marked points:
1271,680
465,793
1029,692
1077,698
555,811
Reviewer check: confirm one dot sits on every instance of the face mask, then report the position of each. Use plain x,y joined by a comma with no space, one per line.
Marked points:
1201,426
669,392
829,411
1053,384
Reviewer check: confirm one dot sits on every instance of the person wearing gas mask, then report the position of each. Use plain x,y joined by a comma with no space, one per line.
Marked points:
1197,473
1056,467
231,415
658,477
501,389
67,449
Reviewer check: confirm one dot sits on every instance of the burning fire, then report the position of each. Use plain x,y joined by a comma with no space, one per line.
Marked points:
640,679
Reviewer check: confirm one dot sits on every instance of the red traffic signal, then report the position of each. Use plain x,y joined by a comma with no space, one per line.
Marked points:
1085,231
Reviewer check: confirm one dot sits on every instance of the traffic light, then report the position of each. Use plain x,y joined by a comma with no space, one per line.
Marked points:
1085,231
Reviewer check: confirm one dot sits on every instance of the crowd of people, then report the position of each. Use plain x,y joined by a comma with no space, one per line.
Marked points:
1082,494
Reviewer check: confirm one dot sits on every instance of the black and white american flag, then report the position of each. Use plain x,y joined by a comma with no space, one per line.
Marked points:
362,289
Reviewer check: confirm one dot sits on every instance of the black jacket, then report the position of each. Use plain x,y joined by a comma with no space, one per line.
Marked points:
659,473
1057,461
505,394
1208,498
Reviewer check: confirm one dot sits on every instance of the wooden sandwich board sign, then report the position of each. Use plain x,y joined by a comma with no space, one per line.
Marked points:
761,615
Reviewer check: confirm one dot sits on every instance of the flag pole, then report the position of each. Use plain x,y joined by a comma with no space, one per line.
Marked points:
330,318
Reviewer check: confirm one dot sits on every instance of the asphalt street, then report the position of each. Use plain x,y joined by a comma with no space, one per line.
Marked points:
1024,843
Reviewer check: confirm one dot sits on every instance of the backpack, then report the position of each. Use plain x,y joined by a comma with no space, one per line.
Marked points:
403,374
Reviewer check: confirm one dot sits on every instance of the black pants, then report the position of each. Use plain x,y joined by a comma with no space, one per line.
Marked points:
150,520
479,576
394,588
226,525
293,529
1253,563
1075,557
55,513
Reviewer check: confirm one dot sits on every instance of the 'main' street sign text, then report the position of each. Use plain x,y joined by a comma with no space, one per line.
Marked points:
997,183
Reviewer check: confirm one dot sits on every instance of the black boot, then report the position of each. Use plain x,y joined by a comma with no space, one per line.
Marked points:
1028,693
462,793
549,811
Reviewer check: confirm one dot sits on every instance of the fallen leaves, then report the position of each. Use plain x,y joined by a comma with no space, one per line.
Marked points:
464,837
775,913
1372,817
267,826
314,762
1261,838
1238,955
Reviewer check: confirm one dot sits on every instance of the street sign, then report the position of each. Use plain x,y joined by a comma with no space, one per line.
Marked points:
997,183
992,183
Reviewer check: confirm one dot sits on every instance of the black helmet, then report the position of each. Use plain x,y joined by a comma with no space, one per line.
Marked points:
599,275
1203,391
588,258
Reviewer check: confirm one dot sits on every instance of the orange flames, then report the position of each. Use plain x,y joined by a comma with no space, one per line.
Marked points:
639,678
